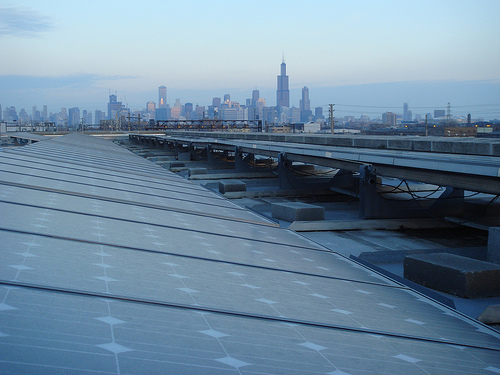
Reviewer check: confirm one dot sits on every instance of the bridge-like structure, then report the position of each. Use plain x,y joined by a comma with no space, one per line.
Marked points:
207,124
457,165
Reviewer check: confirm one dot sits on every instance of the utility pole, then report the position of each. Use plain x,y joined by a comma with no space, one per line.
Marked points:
448,114
332,119
426,130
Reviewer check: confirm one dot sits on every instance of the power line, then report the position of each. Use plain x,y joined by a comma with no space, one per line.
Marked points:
418,107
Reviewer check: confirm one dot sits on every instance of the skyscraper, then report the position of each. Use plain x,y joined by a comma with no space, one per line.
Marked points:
389,118
305,103
162,111
216,102
282,93
74,116
318,113
407,114
99,115
150,111
162,97
255,97
305,106
114,107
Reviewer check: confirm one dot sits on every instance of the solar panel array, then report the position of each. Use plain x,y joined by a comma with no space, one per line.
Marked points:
111,264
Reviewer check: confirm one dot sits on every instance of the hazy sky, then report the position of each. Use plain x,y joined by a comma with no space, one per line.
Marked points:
353,52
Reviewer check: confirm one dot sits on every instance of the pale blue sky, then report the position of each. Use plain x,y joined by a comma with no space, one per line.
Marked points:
70,53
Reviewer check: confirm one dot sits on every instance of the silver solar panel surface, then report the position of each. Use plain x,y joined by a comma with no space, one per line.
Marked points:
111,264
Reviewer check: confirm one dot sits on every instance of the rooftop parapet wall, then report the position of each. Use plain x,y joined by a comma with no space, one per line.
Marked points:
469,146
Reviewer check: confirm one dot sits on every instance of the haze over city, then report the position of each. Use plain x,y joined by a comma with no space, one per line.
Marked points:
359,54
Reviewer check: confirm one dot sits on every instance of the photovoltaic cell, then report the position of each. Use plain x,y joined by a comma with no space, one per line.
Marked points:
111,264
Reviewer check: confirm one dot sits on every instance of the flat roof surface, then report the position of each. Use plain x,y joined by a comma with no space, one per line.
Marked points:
112,264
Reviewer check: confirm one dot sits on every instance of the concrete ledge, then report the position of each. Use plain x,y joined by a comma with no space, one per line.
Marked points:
398,256
231,185
490,315
454,274
494,245
233,175
177,164
297,211
194,171
277,193
378,224
471,146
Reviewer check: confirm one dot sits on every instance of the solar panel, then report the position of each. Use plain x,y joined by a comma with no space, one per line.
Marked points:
111,264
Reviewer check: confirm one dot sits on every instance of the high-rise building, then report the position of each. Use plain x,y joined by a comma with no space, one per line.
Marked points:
255,97
216,102
305,103
188,110
10,114
407,114
318,113
175,111
439,113
389,118
227,98
150,111
74,116
199,112
87,117
162,97
99,115
305,106
283,93
295,115
24,118
114,107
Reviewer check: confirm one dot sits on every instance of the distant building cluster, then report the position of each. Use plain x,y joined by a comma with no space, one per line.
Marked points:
118,114
280,117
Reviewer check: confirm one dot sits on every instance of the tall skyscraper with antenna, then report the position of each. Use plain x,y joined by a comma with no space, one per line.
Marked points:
283,93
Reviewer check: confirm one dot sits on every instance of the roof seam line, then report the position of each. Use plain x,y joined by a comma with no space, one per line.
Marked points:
102,186
325,250
398,286
169,180
241,314
112,170
145,205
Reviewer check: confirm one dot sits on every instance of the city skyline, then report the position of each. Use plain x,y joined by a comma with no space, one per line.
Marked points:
226,109
382,53
161,108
